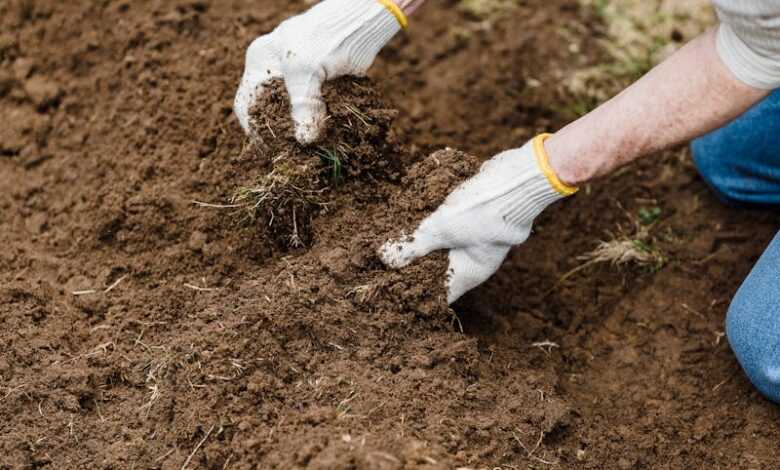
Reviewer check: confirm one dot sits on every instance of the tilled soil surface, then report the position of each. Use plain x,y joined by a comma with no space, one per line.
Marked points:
155,313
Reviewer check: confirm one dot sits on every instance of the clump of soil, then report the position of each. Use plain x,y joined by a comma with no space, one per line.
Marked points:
357,147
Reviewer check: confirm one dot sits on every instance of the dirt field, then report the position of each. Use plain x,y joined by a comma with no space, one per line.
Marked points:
142,327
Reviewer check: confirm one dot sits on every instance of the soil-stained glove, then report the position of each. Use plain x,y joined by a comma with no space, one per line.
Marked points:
484,217
334,38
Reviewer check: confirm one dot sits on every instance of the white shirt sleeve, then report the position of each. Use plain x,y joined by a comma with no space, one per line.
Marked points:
749,40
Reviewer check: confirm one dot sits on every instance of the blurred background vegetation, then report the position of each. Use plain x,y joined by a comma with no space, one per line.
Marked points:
638,35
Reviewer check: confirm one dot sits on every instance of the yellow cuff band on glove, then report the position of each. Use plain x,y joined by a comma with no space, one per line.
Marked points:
544,164
397,12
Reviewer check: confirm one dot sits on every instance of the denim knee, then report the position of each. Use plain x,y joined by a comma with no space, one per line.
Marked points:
754,346
711,159
741,161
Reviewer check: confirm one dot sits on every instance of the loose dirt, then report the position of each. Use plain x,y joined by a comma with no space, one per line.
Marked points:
151,316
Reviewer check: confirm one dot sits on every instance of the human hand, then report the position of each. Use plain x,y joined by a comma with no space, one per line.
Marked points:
332,39
484,217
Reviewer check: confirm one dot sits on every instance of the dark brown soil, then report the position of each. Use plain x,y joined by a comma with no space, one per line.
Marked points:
141,330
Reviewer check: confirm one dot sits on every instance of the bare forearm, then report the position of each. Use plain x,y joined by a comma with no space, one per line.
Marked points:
686,96
409,6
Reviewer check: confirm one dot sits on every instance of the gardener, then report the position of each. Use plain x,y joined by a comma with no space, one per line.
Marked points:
721,80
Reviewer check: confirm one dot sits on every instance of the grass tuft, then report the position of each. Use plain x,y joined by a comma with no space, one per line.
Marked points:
634,247
649,215
284,200
333,159
623,251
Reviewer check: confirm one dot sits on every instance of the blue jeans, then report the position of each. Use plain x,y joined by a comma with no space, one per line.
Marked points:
741,162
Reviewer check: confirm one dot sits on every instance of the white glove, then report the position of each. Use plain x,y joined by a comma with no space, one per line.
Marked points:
334,38
484,217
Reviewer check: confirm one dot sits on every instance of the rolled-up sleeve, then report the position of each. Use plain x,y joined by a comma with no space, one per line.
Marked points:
749,40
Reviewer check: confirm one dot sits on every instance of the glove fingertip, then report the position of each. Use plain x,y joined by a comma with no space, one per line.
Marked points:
453,295
456,284
307,134
470,268
307,107
309,118
395,254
